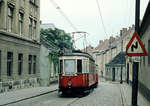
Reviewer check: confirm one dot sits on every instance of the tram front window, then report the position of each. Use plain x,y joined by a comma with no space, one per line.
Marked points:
69,66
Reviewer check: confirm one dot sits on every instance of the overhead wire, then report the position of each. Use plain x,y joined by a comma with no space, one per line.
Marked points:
101,17
130,12
65,16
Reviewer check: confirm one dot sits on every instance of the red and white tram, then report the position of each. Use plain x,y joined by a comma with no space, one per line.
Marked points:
77,72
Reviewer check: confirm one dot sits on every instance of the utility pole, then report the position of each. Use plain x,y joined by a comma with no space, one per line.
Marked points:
121,60
136,64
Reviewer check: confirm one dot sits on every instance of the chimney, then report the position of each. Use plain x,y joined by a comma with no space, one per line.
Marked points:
100,41
130,28
124,30
133,26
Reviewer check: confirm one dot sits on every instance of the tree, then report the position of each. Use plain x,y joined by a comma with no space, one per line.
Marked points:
57,38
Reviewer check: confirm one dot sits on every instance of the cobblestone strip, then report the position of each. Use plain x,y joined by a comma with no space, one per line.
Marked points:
122,96
124,90
30,97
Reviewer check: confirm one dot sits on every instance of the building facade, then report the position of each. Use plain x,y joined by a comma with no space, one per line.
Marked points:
144,64
116,67
19,43
48,66
108,49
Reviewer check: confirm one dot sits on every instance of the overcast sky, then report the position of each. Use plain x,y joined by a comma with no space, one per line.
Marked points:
84,15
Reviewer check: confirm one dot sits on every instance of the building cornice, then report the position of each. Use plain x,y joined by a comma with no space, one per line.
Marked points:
18,37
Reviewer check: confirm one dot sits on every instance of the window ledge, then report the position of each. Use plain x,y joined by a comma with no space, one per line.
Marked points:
11,5
33,4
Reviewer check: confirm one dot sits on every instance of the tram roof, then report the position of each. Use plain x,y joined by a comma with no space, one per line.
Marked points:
78,53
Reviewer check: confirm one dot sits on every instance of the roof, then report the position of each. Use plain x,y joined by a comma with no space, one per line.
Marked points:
103,46
78,53
119,59
145,22
47,26
48,46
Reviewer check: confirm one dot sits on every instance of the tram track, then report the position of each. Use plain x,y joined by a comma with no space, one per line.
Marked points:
20,100
73,101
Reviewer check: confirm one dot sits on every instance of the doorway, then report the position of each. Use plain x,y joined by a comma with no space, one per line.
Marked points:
113,74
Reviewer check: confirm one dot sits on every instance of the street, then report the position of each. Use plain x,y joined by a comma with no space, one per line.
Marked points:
106,94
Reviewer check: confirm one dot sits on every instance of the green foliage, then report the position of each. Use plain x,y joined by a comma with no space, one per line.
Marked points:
56,38
54,58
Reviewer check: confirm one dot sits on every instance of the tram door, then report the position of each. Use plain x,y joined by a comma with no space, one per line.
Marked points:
113,74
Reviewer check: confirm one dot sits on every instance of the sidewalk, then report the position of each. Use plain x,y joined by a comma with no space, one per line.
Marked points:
14,96
127,94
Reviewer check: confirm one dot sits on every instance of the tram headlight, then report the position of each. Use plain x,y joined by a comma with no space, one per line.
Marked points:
69,83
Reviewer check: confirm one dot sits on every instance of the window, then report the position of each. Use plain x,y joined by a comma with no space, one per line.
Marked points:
34,2
30,27
61,66
0,65
0,7
69,66
9,63
34,29
34,65
20,23
20,63
30,63
79,66
144,58
10,19
148,52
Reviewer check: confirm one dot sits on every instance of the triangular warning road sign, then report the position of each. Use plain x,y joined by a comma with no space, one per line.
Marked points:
135,46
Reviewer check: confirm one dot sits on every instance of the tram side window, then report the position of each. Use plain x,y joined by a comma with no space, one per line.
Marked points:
61,66
79,66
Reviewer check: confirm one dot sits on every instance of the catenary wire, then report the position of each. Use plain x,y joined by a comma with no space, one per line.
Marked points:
65,16
101,17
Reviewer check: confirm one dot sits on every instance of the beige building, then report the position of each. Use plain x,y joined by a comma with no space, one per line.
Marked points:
144,65
108,49
19,43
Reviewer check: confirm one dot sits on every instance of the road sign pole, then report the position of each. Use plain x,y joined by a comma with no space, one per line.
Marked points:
135,84
137,16
136,64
